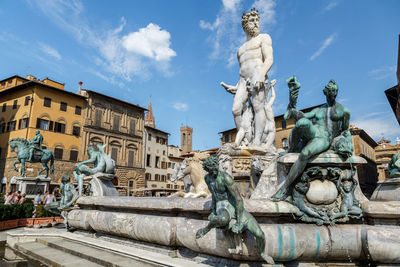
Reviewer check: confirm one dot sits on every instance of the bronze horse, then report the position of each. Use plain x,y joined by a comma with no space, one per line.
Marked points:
22,146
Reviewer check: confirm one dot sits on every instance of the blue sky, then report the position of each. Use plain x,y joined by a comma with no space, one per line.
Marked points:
178,52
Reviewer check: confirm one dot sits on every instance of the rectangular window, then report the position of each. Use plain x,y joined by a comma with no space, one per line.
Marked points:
226,138
147,176
130,184
63,106
283,124
15,104
97,117
149,137
73,155
11,126
59,127
78,110
58,153
132,126
2,128
27,99
157,178
163,165
76,130
163,178
169,164
131,158
157,163
148,162
116,123
47,102
4,107
114,154
42,124
23,123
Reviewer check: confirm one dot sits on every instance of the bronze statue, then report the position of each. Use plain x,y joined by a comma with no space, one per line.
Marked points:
227,207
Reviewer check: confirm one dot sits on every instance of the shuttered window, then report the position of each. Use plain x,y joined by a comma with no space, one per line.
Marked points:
131,158
114,154
97,118
58,153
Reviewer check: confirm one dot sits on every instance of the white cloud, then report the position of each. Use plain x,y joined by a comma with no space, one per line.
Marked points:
331,5
121,55
378,127
150,42
327,42
383,73
226,31
49,50
181,106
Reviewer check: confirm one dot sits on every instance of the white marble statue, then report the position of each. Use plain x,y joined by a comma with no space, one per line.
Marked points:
255,60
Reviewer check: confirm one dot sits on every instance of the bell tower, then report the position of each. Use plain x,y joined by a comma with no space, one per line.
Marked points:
186,139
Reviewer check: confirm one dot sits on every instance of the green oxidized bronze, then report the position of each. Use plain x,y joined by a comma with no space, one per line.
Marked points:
316,131
340,209
227,207
32,151
394,166
68,196
321,195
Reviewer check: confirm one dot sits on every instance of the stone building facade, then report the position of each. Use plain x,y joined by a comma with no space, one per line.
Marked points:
364,146
29,104
159,158
384,153
120,126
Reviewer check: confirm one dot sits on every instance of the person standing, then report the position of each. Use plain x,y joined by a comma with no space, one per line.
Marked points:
49,198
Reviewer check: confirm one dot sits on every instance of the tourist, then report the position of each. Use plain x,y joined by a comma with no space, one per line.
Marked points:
22,200
17,197
6,196
38,199
49,198
9,198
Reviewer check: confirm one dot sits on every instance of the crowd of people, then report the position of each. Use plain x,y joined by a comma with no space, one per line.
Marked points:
18,198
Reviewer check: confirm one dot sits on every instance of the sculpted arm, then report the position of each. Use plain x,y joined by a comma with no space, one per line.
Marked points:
272,99
233,189
267,53
213,200
92,159
346,120
231,88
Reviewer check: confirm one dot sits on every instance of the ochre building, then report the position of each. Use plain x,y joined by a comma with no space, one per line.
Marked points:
29,104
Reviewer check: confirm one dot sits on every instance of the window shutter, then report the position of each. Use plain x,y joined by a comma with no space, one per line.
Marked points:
37,123
19,124
62,127
51,126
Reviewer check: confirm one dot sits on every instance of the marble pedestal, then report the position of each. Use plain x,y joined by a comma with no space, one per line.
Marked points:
174,222
101,184
31,185
388,190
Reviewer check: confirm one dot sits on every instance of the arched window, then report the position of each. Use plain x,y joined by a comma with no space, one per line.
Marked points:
285,143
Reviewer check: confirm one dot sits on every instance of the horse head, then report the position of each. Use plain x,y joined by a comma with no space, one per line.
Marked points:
173,177
17,142
183,170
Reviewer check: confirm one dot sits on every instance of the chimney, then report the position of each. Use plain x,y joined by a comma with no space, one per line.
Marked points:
80,85
397,140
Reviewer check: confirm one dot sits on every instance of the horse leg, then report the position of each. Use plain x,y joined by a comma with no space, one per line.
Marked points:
23,168
15,167
45,168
